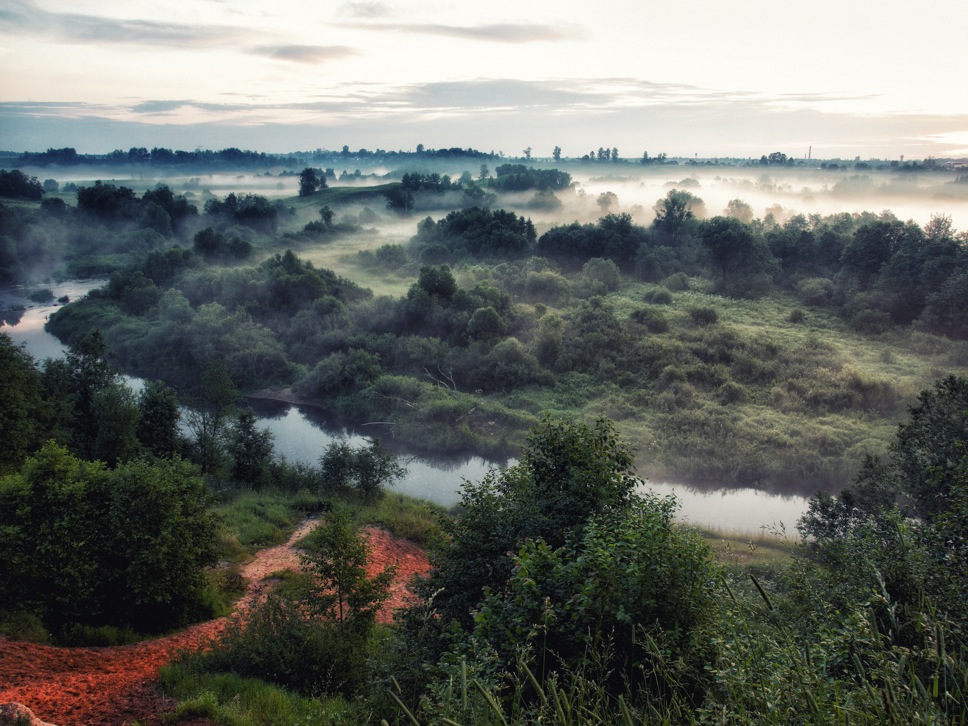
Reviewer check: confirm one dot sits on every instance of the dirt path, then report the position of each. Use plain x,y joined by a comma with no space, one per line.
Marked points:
117,686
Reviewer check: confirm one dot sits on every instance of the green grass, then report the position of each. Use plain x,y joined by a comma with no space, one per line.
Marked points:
790,403
253,520
731,547
413,519
231,700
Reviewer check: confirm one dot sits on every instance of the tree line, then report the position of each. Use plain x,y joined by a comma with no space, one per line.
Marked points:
497,311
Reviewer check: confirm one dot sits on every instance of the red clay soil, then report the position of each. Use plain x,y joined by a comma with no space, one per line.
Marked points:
118,685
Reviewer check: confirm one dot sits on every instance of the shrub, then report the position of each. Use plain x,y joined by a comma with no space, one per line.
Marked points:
652,319
546,285
815,291
704,316
658,297
367,469
602,271
630,591
677,282
92,546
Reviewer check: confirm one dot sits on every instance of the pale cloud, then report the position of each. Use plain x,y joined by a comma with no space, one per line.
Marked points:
503,74
21,16
577,114
365,10
493,32
304,53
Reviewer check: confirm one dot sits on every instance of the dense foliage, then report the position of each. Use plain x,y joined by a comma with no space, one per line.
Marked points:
564,594
86,545
501,320
561,592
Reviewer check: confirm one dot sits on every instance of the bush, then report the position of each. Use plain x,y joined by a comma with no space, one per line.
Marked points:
815,291
367,469
678,282
704,316
631,591
652,319
603,272
92,546
658,297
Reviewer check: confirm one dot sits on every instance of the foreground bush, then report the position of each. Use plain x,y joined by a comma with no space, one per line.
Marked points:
83,544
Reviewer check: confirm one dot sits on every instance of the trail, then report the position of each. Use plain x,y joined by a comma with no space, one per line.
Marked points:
118,685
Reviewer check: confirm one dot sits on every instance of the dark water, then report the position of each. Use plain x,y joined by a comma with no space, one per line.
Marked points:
302,433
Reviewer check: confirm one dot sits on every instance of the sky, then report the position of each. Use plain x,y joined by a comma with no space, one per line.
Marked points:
707,78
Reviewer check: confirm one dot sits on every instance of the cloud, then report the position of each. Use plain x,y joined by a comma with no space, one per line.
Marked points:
304,53
503,32
577,114
365,10
23,16
495,33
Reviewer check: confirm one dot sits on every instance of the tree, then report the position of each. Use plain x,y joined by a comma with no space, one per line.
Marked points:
17,185
776,158
90,373
368,468
340,374
343,593
631,586
929,452
486,324
556,154
21,405
375,468
674,213
212,402
602,272
738,209
873,245
399,199
309,182
251,451
730,246
158,420
568,473
606,200
117,425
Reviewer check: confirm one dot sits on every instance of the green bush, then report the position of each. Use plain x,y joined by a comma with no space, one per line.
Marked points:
631,591
677,282
97,547
653,320
704,316
658,297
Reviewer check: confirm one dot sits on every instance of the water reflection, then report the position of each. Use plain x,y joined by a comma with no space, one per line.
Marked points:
302,433
740,510
24,320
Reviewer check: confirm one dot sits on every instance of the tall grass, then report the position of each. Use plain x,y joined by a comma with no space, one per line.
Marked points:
413,519
233,700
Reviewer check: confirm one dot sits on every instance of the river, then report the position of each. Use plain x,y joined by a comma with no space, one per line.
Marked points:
302,433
